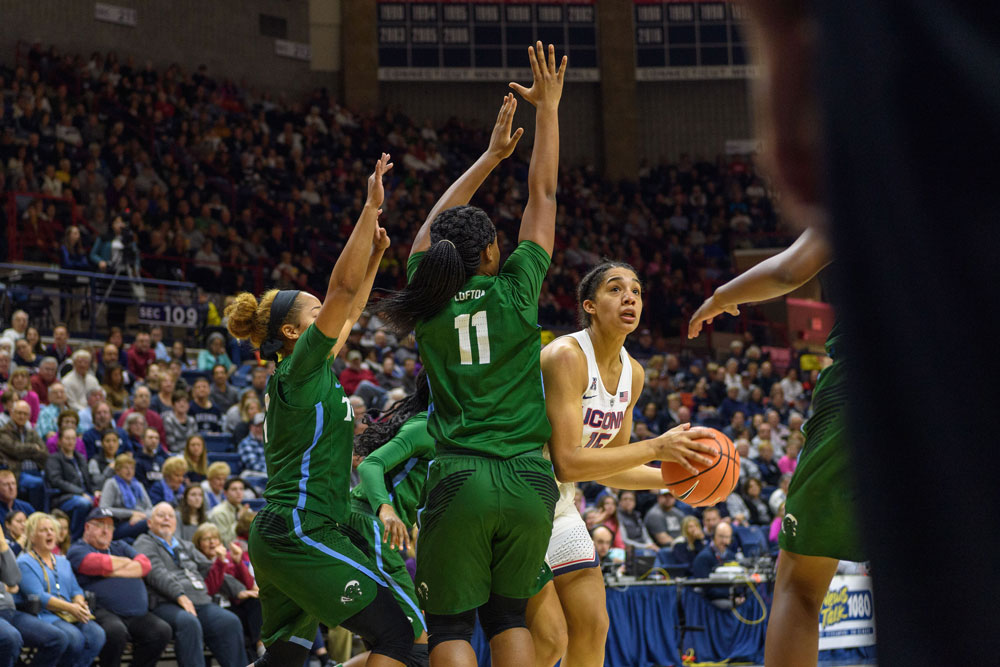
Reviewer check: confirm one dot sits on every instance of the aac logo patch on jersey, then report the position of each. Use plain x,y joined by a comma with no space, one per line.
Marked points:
593,384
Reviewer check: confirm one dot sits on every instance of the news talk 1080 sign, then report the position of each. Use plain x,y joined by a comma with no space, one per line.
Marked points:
847,617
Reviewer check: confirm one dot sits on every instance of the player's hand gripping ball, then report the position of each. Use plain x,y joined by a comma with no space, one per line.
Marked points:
714,482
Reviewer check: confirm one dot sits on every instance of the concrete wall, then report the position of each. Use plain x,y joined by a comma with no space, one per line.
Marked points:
222,34
692,116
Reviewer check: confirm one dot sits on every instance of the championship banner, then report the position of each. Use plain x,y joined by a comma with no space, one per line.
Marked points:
847,617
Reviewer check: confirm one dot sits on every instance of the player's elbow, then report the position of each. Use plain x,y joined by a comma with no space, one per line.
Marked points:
567,471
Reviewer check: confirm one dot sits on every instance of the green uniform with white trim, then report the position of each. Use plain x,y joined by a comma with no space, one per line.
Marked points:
310,565
821,510
394,474
490,493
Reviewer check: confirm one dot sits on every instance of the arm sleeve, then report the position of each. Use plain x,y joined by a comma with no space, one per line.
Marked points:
402,447
96,565
525,269
144,562
412,263
309,357
10,573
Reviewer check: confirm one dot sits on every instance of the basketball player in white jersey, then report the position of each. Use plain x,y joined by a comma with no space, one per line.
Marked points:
591,386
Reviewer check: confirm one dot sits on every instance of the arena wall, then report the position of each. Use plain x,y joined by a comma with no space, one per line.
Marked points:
225,35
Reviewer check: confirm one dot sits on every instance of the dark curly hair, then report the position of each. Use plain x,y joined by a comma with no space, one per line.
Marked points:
587,288
458,237
382,431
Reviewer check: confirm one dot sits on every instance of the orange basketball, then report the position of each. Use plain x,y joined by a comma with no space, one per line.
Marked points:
714,482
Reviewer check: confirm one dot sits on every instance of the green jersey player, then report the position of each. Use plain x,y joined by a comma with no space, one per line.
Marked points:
490,492
307,565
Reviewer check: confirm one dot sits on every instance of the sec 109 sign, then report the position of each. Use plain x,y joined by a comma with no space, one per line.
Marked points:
167,315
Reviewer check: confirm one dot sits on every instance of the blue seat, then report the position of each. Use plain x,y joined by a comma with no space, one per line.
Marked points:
217,442
232,458
752,541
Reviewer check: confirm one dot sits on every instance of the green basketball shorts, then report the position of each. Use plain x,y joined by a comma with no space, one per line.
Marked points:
484,529
391,565
309,570
822,506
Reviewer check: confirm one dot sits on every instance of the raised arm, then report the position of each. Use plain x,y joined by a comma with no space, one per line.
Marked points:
564,372
349,272
502,144
774,277
539,221
379,245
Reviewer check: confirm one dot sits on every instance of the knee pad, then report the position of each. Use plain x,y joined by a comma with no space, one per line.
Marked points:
450,627
501,613
383,626
282,653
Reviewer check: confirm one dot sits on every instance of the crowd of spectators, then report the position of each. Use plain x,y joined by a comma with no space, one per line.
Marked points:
230,187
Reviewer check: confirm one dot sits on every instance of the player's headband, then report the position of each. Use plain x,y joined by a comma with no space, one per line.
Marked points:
282,303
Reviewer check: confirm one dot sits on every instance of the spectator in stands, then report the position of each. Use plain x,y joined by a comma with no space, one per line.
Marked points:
60,349
663,520
135,429
196,457
19,384
140,405
778,496
241,425
758,512
101,466
178,353
225,514
5,362
35,340
7,404
46,376
238,412
13,526
633,532
163,399
63,538
215,354
156,342
790,385
258,381
215,485
113,571
768,466
191,512
25,357
203,410
66,419
690,543
748,468
113,384
251,451
170,488
101,423
223,395
110,355
22,450
231,578
775,530
177,592
9,502
149,459
80,380
126,498
48,416
66,471
763,435
710,518
603,537
140,355
51,578
355,373
94,396
737,508
18,326
718,552
177,423
787,463
20,629
731,405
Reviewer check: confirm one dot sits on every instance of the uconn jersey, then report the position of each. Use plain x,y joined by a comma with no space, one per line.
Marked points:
602,412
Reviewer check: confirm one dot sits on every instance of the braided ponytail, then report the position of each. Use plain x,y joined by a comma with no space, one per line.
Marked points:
382,431
458,237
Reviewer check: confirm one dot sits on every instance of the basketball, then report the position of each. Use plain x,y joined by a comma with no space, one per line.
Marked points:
714,482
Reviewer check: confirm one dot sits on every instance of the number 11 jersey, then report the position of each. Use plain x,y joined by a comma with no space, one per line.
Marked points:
482,354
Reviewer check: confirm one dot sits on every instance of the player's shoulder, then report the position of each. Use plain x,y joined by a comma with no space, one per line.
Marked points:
565,357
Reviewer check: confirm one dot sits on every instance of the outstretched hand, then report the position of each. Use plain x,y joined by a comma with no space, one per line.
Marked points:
381,239
707,312
376,192
502,142
546,89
